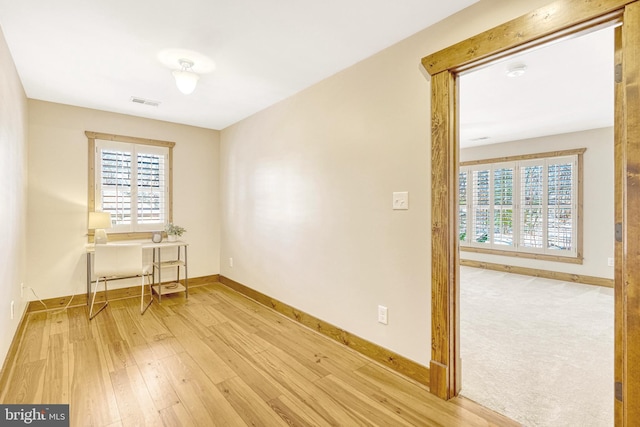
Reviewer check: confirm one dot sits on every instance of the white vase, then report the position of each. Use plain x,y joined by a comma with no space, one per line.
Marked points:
172,237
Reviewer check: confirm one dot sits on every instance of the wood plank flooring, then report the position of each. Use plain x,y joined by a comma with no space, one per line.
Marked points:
216,359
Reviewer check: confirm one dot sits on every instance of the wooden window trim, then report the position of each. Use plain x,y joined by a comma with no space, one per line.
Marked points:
578,258
92,136
563,153
528,255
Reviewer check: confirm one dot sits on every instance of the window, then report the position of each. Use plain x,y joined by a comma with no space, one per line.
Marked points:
131,178
527,205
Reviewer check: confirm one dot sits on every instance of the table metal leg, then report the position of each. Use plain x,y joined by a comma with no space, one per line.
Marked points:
186,275
89,273
159,275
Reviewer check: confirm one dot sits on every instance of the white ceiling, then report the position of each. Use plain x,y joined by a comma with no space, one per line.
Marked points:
99,54
567,87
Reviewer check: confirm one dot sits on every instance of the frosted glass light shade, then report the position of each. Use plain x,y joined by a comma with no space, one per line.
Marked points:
99,221
186,81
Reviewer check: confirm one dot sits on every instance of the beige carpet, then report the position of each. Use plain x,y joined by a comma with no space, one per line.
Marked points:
539,351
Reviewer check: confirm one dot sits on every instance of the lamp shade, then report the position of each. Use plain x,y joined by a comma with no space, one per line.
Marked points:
99,220
186,81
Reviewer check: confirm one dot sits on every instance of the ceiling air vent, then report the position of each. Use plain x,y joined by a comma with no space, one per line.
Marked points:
138,100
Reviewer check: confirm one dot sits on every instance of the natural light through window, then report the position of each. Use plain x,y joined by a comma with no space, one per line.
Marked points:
132,185
526,205
131,179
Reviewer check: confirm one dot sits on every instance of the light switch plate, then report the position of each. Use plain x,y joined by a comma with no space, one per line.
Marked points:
383,315
401,200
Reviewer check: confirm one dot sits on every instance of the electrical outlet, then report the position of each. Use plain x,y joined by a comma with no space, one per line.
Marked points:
382,314
610,262
230,262
12,309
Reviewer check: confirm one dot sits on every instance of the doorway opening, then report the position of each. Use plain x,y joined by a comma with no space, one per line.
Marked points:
554,22
525,205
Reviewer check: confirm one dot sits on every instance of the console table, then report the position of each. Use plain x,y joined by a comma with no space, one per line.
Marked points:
179,262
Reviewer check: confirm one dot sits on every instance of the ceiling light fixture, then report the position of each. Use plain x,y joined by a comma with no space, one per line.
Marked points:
186,78
516,70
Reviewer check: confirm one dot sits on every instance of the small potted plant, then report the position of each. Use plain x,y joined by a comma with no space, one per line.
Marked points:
174,231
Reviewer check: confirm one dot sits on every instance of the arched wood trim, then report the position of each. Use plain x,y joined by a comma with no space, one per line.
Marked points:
559,19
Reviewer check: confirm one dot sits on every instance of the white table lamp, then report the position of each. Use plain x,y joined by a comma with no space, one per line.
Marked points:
99,221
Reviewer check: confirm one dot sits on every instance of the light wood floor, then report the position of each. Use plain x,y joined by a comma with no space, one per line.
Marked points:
218,359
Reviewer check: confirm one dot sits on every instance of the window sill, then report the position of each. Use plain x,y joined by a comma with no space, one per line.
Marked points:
115,237
543,257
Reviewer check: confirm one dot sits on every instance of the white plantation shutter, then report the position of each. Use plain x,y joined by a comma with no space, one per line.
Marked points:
524,205
481,201
463,234
134,192
152,187
531,205
503,204
114,185
561,203
489,199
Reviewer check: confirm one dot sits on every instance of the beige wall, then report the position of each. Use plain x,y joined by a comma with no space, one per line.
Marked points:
58,174
306,191
307,185
598,197
13,196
